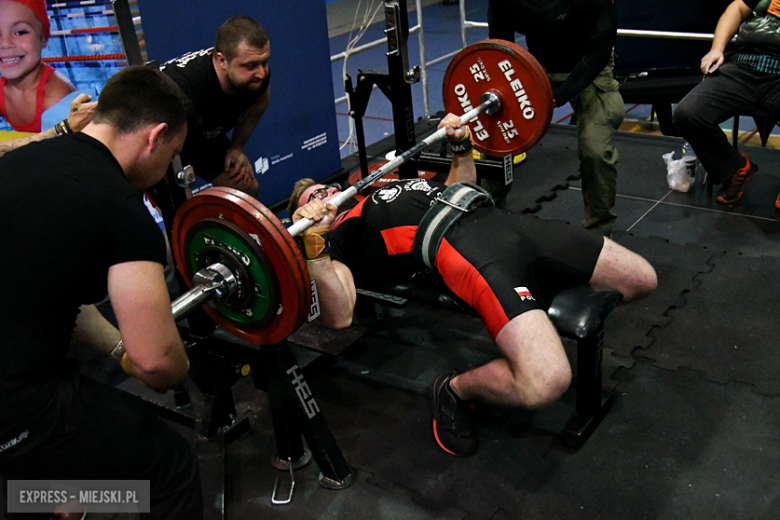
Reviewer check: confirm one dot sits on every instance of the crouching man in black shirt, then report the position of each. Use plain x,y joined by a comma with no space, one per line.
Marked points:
73,227
230,89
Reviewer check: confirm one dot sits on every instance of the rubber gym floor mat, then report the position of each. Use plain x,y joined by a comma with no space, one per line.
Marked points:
388,431
715,229
674,446
568,207
750,226
547,168
728,328
315,336
677,267
251,479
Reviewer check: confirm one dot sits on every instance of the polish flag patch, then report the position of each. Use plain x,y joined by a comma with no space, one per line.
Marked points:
524,293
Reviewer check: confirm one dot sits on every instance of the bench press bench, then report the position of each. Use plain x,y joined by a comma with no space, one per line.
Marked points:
577,313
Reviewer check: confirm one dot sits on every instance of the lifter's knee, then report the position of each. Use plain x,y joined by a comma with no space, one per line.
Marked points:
625,271
543,389
643,282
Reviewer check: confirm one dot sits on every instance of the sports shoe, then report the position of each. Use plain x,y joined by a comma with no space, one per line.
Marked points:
453,423
731,190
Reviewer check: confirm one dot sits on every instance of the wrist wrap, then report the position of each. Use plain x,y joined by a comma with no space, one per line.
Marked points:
316,243
463,146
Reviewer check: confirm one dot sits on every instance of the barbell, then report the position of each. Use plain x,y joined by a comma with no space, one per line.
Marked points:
238,258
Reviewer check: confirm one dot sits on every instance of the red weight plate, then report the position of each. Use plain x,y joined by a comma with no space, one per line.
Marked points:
521,84
277,245
392,176
299,279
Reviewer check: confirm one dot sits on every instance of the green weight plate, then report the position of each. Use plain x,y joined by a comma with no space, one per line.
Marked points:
256,301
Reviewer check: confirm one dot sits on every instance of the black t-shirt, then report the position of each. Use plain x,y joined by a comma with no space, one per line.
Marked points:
575,36
218,112
375,238
67,213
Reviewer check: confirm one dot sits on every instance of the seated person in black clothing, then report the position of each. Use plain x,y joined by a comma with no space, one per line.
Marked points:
230,88
75,228
500,263
574,42
739,82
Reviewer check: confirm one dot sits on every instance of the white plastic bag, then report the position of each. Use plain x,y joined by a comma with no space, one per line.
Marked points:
677,174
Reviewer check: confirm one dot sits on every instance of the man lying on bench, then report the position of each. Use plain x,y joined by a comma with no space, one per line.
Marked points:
502,264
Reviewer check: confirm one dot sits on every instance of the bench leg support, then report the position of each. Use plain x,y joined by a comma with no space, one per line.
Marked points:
593,402
296,413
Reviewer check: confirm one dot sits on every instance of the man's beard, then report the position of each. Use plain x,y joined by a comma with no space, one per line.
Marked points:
244,87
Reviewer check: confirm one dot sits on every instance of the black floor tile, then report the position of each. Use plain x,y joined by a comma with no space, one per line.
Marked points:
567,206
715,230
409,347
547,167
674,446
728,327
388,432
677,268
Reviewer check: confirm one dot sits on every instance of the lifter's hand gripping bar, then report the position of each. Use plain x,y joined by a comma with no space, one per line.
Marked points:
490,103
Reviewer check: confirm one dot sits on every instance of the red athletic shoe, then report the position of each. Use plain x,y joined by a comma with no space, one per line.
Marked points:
731,190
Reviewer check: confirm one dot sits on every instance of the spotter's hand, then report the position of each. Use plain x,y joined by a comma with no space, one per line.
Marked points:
455,131
237,166
81,112
316,210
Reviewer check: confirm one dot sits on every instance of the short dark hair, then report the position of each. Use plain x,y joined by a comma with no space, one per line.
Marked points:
136,97
236,30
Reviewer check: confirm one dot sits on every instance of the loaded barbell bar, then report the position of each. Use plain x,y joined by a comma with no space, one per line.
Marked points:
490,103
510,85
211,284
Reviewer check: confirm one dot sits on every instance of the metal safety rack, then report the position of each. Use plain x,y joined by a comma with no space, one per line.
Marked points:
396,84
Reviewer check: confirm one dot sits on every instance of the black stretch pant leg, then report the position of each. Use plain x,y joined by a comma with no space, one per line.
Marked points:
102,433
731,91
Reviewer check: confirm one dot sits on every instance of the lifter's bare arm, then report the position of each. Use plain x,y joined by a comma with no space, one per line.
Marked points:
462,168
143,310
335,284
